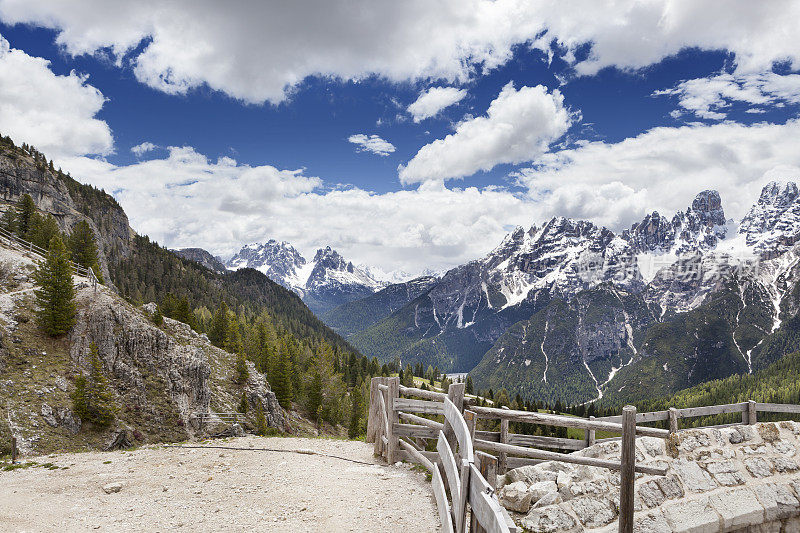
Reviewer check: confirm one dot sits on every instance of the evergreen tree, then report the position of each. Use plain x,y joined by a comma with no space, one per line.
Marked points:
315,394
83,246
283,381
357,405
25,211
468,386
157,318
218,332
261,421
9,220
42,230
55,293
241,373
91,399
242,404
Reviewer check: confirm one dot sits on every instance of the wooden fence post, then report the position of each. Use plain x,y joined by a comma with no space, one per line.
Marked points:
589,436
456,395
372,418
487,466
752,417
471,418
502,457
627,469
394,393
673,420
13,450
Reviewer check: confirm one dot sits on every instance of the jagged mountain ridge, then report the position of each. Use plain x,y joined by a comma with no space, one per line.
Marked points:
695,253
323,283
204,257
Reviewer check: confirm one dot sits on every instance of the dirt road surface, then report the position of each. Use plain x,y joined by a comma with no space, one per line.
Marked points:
212,489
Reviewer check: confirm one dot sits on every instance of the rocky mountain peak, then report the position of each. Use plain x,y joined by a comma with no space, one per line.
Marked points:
700,227
772,225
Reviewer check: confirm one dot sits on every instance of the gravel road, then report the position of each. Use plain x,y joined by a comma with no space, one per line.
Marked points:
211,489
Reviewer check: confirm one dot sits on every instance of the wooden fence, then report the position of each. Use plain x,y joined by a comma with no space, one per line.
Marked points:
27,246
401,433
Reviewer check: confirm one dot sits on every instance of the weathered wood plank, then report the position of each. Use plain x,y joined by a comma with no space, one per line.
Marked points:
459,425
392,395
627,469
403,455
414,430
418,406
455,393
372,418
424,394
641,418
545,442
441,502
433,424
752,412
486,508
778,408
690,412
563,457
502,457
673,420
463,498
416,455
564,421
450,469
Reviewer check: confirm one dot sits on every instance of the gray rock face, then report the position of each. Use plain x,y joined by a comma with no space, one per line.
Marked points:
52,195
198,255
772,225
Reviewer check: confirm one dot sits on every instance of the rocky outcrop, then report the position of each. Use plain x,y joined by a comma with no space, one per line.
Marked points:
198,255
772,226
726,479
69,202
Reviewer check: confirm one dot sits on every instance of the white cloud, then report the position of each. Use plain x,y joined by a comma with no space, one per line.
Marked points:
432,226
612,184
56,114
140,149
371,143
709,97
615,184
259,51
433,100
519,126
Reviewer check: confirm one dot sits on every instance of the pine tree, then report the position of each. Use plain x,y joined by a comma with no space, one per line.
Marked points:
9,220
83,246
241,373
468,386
55,293
261,422
242,404
25,210
357,405
283,381
157,317
315,394
218,333
91,399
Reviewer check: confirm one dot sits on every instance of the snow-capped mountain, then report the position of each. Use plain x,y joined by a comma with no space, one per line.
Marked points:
616,288
323,283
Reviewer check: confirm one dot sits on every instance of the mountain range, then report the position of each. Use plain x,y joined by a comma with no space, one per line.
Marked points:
323,283
574,312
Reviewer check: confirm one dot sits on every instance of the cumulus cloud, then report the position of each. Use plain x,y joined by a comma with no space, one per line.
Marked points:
371,143
709,97
176,46
224,204
140,149
56,114
433,100
615,184
519,126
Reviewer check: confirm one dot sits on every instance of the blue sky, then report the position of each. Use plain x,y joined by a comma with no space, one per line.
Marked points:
561,113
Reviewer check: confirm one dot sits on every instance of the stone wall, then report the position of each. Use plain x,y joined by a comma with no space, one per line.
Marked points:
741,478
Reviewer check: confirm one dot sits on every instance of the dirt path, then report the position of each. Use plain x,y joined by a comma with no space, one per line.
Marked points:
210,489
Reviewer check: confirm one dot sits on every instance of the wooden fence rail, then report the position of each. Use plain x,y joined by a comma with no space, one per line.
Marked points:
400,430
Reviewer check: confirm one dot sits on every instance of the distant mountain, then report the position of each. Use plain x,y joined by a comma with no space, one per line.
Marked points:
572,311
355,316
323,283
198,255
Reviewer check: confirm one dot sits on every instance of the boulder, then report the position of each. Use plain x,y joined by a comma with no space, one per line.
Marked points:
112,488
516,497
